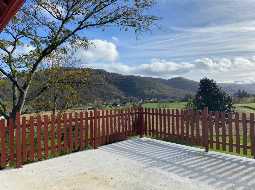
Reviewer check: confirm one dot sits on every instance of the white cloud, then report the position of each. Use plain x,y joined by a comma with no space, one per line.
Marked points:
222,70
99,51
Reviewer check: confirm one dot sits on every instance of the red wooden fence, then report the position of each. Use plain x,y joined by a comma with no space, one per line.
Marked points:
41,137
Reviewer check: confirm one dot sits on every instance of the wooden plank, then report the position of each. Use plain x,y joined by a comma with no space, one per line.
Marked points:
164,124
58,122
86,127
230,132
46,136
237,130
107,132
18,141
157,123
103,140
39,142
192,126
32,136
95,129
205,126
217,133
252,134
211,131
177,122
52,135
119,124
244,123
223,126
197,125
153,123
70,122
91,126
128,113
149,122
76,131
187,126
65,127
173,124
182,124
11,139
111,126
81,132
24,140
160,123
3,144
115,123
169,132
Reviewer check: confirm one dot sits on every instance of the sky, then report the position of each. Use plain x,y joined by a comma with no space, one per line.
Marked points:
195,39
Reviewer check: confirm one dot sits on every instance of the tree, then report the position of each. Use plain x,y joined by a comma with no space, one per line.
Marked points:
43,28
210,95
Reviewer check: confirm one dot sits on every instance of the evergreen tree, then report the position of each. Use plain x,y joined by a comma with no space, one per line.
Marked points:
212,96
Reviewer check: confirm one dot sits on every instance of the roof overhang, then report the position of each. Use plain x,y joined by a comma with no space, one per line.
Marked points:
8,8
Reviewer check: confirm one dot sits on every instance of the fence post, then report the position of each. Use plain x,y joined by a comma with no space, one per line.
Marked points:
205,129
18,141
141,123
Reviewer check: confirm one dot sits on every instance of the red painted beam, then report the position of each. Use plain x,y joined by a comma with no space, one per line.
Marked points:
8,8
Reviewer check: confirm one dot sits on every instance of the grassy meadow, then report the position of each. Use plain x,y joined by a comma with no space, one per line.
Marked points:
242,107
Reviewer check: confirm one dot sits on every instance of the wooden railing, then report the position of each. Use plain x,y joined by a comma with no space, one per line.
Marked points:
33,138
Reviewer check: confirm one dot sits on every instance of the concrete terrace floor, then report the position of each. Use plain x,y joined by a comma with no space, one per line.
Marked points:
135,164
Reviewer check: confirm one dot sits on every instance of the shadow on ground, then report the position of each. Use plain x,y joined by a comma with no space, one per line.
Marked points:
218,170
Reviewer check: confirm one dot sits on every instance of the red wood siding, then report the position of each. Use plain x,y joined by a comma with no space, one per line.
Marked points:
8,8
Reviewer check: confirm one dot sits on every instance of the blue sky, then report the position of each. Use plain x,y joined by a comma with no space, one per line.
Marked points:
196,38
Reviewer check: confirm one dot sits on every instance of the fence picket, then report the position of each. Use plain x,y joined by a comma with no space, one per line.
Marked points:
32,142
24,140
76,131
39,131
11,139
46,136
230,131
217,130
252,134
223,127
182,124
3,143
65,125
86,128
244,125
18,141
52,135
237,133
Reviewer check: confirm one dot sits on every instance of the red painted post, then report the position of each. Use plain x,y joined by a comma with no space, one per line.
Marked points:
32,142
18,141
70,132
11,138
86,129
39,130
52,135
205,128
95,130
76,131
46,136
81,131
141,123
59,147
3,143
24,140
252,134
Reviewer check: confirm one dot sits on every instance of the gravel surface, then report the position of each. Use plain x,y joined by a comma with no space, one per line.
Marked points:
136,164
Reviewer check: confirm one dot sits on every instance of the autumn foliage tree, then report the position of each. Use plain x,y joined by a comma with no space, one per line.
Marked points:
42,28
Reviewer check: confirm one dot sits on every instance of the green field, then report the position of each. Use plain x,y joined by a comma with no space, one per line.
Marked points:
246,107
